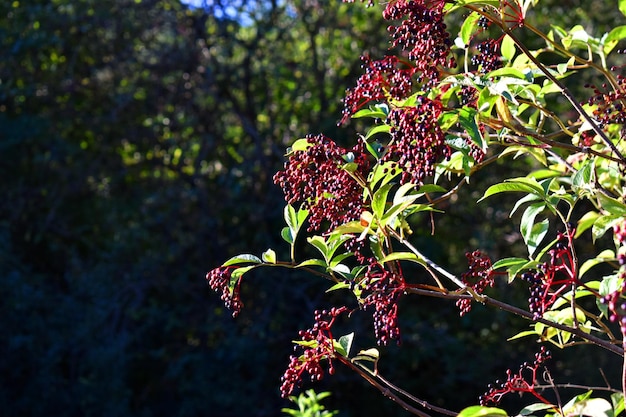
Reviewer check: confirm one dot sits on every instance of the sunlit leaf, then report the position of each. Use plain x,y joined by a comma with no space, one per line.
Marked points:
244,258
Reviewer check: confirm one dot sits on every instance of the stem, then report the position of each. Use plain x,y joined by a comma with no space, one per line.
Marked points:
619,350
387,389
568,95
384,390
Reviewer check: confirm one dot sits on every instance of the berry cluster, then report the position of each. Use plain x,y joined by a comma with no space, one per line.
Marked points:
219,279
316,179
479,276
537,291
317,344
610,105
552,278
417,141
522,381
487,59
615,300
382,289
387,77
422,33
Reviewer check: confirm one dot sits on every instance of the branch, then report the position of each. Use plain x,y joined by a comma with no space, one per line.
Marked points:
525,314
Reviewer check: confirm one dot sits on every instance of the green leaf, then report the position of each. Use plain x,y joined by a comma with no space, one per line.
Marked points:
346,343
482,411
241,259
585,222
377,129
604,256
622,6
528,410
612,205
371,355
312,262
285,233
269,256
602,224
522,334
503,263
352,227
379,200
592,407
507,47
617,399
339,286
467,119
613,38
526,185
533,233
299,145
237,274
401,256
582,179
469,27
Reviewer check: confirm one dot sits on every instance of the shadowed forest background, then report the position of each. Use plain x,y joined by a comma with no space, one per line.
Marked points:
138,141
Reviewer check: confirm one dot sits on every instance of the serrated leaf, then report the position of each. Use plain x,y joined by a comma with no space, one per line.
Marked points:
269,256
241,259
482,411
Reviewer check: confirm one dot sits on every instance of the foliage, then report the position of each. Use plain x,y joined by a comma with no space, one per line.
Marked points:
309,406
446,110
130,131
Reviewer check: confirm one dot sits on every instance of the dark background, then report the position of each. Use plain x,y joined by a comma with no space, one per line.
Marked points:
138,140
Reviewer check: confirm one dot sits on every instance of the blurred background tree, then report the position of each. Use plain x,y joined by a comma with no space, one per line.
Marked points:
138,142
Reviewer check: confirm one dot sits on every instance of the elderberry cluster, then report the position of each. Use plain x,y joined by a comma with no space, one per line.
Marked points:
315,178
478,276
522,381
537,292
382,289
381,77
219,281
610,107
614,301
418,142
317,345
423,34
552,278
487,59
